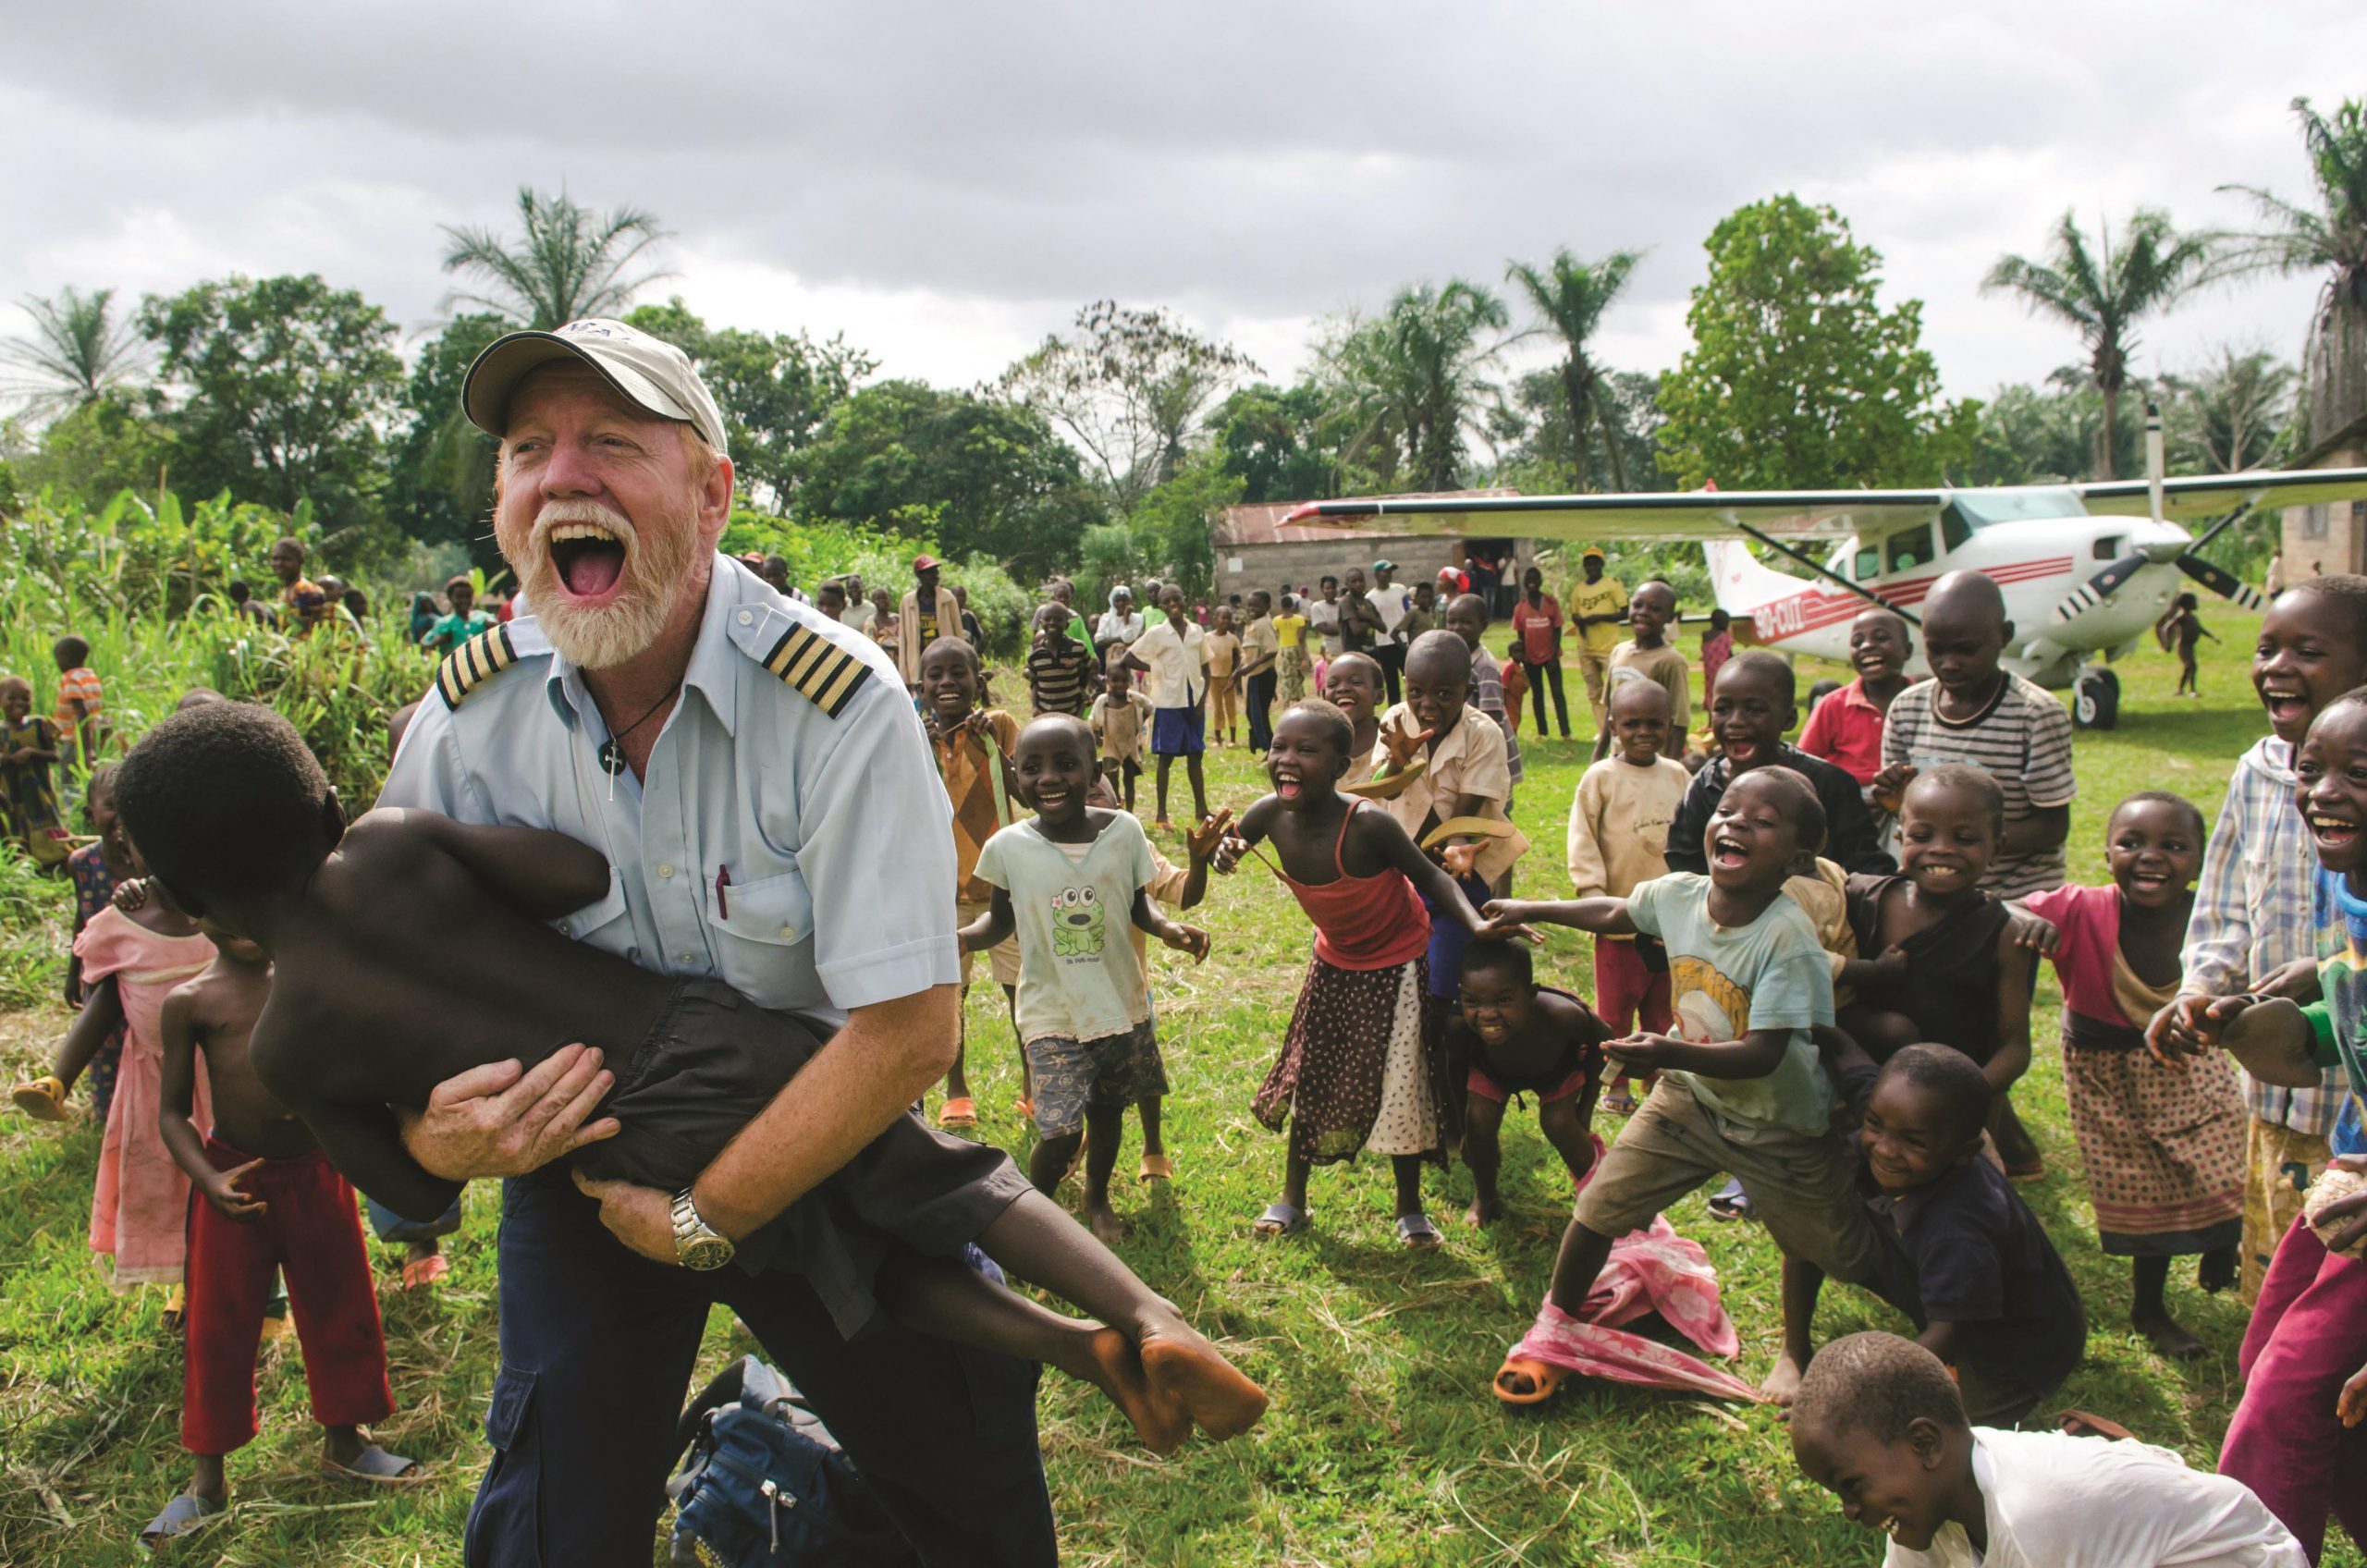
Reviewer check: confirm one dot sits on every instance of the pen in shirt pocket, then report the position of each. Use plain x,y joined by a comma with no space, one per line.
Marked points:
722,880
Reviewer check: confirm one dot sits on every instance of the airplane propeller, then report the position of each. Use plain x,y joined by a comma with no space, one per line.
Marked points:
2185,557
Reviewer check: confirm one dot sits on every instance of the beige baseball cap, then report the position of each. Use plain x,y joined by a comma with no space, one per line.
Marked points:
647,372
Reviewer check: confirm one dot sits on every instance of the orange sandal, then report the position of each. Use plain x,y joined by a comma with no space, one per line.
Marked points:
421,1273
1157,1168
958,1111
44,1099
1543,1377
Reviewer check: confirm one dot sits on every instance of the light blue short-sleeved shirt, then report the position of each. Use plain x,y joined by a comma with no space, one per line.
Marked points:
831,836
1725,981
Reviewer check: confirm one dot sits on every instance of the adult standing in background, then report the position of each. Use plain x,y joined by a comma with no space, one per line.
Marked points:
929,612
1120,625
685,720
1389,603
1537,628
1598,605
858,613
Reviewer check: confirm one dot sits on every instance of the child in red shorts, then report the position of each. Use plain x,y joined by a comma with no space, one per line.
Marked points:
268,1199
1517,1037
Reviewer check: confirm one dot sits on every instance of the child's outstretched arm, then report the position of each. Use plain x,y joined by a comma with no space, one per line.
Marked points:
1183,938
540,874
1380,832
992,927
176,1103
2012,1056
1200,842
1251,831
1757,1054
1603,916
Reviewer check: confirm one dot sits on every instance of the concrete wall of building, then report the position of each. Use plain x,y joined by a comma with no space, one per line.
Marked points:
2333,536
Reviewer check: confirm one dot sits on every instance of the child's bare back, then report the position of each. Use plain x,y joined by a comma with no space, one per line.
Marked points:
216,1011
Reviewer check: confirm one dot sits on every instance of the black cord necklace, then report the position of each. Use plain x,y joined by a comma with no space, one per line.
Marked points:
612,757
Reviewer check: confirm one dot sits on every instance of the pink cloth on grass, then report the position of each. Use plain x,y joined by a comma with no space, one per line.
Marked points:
139,1205
1650,1271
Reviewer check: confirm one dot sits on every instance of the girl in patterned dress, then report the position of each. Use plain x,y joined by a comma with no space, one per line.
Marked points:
1357,1072
27,753
2163,1143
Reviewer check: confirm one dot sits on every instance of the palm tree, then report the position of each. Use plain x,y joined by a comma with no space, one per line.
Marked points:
1412,378
2332,240
2103,292
77,353
1569,298
569,263
2232,415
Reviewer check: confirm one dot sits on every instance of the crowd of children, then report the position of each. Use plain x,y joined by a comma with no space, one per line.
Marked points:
1813,973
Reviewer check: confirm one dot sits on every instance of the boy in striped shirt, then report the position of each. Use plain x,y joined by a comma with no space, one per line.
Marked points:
1059,666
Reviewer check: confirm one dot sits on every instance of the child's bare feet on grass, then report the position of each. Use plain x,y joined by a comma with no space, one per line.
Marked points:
1483,1211
1115,1367
2170,1338
1783,1382
1103,1221
1192,1376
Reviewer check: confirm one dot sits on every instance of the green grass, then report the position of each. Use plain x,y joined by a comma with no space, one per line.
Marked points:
1383,1445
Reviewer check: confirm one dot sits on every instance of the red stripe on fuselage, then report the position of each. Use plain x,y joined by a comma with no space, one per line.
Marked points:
1820,608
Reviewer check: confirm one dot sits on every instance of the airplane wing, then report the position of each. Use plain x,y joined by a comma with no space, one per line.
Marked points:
1694,514
2195,499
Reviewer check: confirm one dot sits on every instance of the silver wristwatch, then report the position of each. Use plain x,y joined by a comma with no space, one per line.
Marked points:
697,1245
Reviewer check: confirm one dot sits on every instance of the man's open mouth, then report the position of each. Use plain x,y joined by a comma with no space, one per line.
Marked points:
590,559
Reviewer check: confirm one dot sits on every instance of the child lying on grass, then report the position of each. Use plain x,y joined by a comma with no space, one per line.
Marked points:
412,948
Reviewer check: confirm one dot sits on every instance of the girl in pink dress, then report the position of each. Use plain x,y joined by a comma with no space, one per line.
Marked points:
140,1209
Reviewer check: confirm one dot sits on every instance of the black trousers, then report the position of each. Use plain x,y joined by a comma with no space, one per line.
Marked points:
1391,659
1257,697
1538,675
597,1346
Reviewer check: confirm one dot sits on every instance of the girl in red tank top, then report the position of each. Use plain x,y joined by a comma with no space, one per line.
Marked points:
1359,1070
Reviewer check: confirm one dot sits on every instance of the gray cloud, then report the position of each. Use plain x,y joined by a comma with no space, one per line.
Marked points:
947,182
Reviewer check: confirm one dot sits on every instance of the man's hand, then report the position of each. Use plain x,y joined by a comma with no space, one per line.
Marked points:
1203,840
1187,939
641,1217
222,1191
497,1120
1891,783
2190,1025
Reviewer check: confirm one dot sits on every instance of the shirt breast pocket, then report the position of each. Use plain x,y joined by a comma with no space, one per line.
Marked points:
754,927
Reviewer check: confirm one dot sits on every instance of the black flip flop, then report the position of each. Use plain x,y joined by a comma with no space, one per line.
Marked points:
1281,1219
376,1466
1416,1231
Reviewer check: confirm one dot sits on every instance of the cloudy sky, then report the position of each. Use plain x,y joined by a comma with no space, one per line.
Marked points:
947,182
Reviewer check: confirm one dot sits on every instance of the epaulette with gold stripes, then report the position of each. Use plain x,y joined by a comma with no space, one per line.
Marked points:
472,662
826,674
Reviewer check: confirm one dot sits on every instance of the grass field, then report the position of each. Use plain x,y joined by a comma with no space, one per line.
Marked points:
1383,1445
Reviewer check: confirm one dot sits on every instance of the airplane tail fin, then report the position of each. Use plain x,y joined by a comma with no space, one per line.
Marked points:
1739,582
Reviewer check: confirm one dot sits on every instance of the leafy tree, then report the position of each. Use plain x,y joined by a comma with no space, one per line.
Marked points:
2043,434
1541,454
440,466
1413,381
567,263
776,391
978,475
1569,297
2233,416
1274,440
79,352
2332,240
1798,377
107,444
1171,528
1129,386
287,384
2103,292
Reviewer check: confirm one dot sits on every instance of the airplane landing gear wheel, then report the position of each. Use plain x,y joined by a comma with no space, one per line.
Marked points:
2096,703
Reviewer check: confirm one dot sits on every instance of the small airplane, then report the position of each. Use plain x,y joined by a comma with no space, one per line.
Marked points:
2086,568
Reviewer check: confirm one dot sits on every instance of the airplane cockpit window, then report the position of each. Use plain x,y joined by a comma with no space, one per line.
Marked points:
2031,504
1954,533
1869,564
1908,548
2108,547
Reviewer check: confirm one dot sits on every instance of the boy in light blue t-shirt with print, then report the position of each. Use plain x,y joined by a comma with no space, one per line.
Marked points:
1741,1088
1063,879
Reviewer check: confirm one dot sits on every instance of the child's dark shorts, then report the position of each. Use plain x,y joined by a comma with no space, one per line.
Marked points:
711,1062
1069,1074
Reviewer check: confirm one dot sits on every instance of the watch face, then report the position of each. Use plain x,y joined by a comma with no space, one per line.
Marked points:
707,1252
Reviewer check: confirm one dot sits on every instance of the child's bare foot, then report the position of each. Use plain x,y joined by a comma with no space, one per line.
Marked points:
1103,1221
1189,1374
1113,1365
2170,1338
2217,1270
1484,1211
1783,1380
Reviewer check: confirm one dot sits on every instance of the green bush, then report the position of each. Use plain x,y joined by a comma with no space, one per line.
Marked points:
818,550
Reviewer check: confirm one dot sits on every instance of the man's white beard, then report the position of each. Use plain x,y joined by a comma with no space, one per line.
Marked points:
655,564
